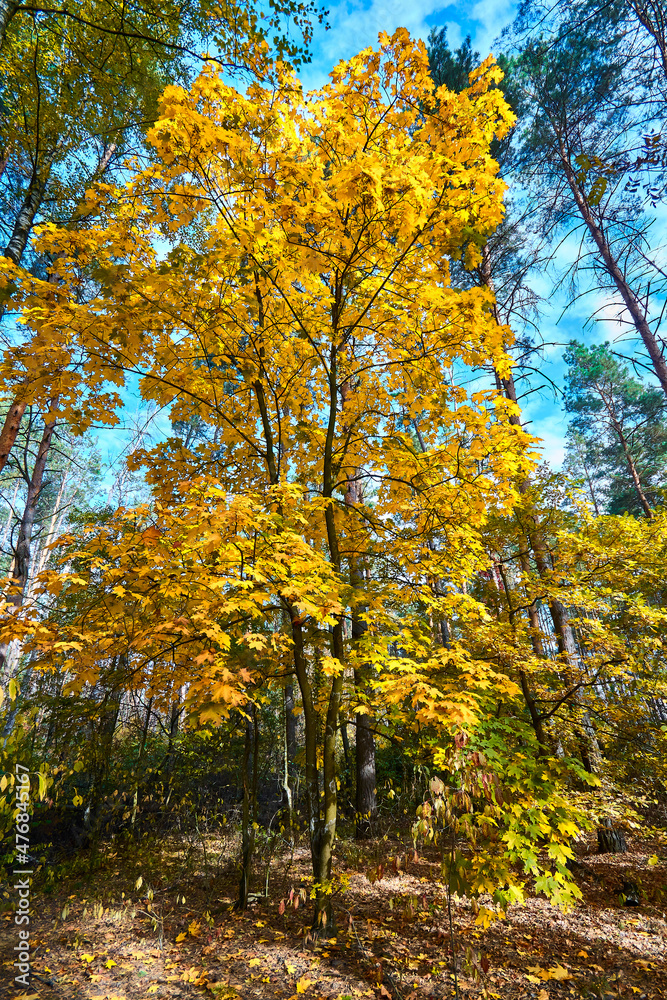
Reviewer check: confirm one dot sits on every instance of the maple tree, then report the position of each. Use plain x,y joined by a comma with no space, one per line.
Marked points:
79,91
346,504
311,239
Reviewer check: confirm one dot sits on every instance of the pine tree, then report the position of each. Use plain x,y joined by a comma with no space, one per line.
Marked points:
619,428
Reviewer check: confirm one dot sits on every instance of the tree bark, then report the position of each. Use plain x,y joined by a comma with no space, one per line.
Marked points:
8,9
142,748
366,793
567,648
21,563
505,385
610,840
632,468
631,301
320,847
290,754
249,816
10,429
535,716
19,238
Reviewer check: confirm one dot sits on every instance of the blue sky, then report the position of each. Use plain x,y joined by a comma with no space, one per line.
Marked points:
356,25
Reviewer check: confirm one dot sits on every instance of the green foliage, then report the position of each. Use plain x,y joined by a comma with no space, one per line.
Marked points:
449,68
618,431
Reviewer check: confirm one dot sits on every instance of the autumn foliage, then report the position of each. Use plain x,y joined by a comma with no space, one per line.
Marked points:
355,508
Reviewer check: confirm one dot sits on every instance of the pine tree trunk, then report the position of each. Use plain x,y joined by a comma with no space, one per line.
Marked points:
10,429
630,300
632,469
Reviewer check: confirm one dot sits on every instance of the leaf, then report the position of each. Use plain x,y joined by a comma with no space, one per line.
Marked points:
87,957
109,964
303,984
558,973
181,937
254,962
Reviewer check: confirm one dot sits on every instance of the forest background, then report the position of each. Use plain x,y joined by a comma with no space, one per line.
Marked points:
331,550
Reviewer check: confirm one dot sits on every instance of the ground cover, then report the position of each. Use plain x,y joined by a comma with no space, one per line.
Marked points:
157,920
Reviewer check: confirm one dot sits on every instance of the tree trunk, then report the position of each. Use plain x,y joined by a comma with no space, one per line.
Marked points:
7,10
290,755
567,648
174,714
535,716
651,16
21,563
366,794
11,429
15,250
322,846
321,808
18,241
142,748
632,468
249,815
610,841
109,712
591,490
630,299
347,776
504,385
35,194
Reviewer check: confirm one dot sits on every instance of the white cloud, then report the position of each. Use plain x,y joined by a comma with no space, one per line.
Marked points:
355,25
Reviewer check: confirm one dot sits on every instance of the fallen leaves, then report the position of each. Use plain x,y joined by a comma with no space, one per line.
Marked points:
536,974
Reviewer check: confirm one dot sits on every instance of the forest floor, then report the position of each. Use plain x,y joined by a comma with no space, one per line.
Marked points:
101,936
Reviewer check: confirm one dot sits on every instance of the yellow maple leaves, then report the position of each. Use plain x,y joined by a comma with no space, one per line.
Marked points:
278,278
190,605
